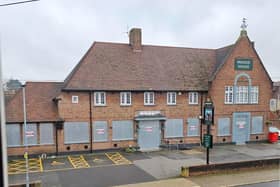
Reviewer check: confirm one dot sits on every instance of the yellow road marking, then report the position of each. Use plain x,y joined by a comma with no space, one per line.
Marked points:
41,165
117,158
78,161
97,160
19,166
56,163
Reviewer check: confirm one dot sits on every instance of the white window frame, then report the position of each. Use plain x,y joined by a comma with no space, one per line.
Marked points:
148,97
193,98
124,98
75,99
228,94
169,98
254,95
98,99
242,95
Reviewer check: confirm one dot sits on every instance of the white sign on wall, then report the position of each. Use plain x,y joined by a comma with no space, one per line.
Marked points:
29,133
100,131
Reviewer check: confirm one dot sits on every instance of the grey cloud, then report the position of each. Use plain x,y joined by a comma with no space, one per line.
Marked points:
46,39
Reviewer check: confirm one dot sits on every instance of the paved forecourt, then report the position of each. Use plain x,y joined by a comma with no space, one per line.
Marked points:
18,166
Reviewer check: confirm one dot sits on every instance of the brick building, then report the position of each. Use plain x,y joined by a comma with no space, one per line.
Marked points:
275,114
122,95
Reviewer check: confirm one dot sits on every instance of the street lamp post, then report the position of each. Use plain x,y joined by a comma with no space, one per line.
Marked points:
25,138
3,139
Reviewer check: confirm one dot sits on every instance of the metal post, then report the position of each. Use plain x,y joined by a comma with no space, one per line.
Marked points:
25,137
207,150
4,160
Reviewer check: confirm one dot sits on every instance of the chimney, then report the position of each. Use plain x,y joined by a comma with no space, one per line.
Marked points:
135,39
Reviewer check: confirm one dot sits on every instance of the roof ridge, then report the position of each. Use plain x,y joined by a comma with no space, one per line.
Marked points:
151,45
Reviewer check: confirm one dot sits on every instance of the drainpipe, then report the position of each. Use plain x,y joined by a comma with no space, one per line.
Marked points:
90,120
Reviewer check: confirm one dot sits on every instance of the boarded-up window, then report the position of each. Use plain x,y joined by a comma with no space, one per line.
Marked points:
173,128
223,126
122,130
76,132
46,133
31,134
257,125
13,135
100,131
193,127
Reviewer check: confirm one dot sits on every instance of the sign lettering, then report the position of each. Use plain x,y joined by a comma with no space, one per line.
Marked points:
243,64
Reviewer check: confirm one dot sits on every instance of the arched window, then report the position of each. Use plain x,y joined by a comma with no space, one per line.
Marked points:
242,88
242,92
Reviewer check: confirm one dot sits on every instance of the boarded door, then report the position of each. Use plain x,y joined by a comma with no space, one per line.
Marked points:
241,127
149,134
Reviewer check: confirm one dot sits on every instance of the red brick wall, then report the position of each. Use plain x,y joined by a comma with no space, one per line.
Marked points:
113,111
37,149
226,76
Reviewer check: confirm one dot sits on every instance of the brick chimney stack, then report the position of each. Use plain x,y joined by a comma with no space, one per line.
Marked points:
135,39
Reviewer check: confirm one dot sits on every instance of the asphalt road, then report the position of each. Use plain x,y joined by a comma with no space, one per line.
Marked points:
96,177
264,184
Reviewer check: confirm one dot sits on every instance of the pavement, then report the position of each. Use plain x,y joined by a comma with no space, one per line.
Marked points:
252,178
120,168
166,164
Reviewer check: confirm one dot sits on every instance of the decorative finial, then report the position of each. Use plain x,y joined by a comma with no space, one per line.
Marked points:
244,24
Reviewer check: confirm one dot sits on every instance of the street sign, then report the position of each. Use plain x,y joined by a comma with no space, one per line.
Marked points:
208,141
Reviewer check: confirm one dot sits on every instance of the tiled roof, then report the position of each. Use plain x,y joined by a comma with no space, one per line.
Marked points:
113,66
39,103
221,56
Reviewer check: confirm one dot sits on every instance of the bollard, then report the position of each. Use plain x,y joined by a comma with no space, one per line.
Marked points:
184,171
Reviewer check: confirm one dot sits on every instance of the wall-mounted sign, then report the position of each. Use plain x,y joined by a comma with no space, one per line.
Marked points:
149,129
243,64
100,131
149,113
29,133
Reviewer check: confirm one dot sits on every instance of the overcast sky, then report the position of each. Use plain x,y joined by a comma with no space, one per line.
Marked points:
44,40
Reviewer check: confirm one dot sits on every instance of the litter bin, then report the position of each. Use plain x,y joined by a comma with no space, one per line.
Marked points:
273,135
